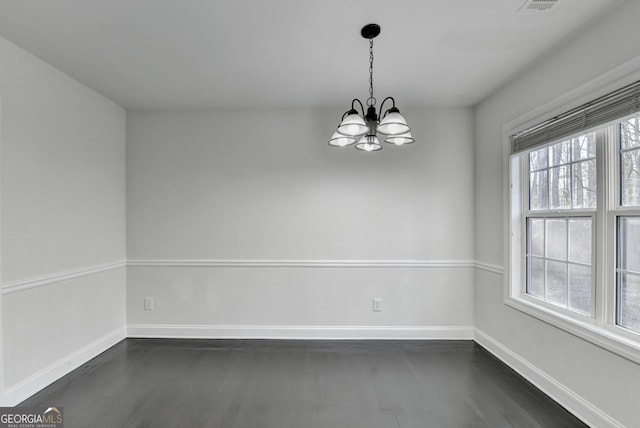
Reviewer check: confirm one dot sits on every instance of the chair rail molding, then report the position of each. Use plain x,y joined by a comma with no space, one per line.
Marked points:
54,278
307,263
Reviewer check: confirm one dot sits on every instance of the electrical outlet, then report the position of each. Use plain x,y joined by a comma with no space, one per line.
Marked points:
377,304
148,303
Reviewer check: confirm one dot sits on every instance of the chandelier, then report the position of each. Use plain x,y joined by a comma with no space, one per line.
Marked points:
363,129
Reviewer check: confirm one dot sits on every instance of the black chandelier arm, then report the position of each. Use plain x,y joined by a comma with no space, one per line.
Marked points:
381,105
353,105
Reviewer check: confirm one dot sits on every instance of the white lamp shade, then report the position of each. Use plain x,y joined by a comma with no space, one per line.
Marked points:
393,124
353,126
339,140
401,139
369,143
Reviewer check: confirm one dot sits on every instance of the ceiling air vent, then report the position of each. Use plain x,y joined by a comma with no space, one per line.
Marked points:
537,5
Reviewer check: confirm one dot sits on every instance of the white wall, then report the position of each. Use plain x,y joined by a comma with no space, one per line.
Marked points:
600,386
62,222
251,185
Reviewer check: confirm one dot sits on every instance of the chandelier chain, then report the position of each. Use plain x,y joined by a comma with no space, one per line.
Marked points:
371,101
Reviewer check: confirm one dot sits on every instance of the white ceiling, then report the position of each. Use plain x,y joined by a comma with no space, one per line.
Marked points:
233,53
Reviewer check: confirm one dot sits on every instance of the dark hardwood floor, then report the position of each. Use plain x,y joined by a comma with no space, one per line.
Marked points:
299,384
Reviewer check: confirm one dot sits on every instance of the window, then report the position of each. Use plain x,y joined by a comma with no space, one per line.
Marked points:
628,273
559,223
574,241
628,227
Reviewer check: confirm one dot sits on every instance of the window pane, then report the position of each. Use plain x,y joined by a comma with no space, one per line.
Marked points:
538,159
628,291
580,288
584,184
535,286
584,147
580,238
560,153
550,241
630,132
557,239
629,301
630,177
559,186
536,236
557,282
629,243
538,190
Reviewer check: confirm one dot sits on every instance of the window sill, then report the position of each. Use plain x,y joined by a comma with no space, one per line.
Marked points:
594,333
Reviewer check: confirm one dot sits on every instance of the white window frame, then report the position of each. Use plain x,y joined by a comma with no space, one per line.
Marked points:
600,328
616,210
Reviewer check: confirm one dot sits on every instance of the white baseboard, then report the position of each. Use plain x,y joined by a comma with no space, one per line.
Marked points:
15,394
299,332
568,399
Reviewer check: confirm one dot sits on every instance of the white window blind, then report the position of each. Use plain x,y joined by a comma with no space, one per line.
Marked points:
614,105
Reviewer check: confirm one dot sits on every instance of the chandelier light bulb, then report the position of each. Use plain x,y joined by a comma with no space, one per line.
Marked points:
393,123
369,143
339,140
353,125
400,139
